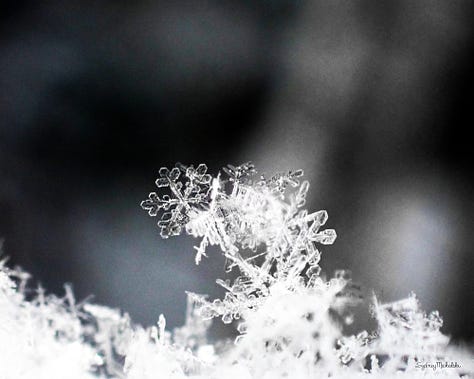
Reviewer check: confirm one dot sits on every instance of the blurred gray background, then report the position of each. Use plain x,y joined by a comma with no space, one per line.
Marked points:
373,99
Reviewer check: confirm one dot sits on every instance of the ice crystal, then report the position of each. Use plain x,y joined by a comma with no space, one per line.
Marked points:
187,193
290,320
42,338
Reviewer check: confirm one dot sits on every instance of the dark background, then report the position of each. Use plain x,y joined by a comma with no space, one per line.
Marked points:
373,99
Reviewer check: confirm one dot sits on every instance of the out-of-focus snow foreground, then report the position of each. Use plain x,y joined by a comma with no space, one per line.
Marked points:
291,321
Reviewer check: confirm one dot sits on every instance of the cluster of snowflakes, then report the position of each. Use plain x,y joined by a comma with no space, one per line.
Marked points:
291,321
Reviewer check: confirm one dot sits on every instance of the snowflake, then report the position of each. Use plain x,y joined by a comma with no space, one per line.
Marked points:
190,192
